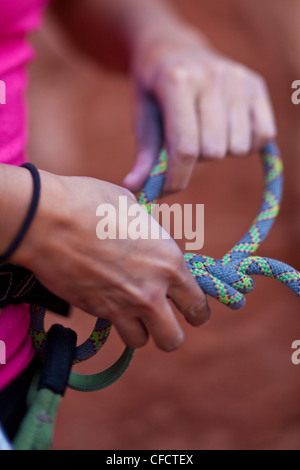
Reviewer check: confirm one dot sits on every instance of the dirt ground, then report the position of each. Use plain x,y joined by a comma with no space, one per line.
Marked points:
232,385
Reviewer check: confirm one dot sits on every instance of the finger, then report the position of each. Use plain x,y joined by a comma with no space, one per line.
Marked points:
263,119
190,299
240,133
149,136
181,136
213,124
132,332
164,328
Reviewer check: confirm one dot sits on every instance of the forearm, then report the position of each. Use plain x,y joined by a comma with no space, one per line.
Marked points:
134,19
145,23
111,30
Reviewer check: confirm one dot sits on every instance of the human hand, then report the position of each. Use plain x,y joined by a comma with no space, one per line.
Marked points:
125,281
207,106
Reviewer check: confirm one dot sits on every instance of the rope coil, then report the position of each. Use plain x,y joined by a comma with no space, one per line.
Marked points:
227,280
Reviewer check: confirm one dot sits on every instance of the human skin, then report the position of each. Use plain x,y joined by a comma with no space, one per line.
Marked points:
129,282
207,106
198,103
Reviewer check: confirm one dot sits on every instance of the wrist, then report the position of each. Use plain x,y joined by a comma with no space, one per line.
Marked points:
165,38
38,237
15,199
146,22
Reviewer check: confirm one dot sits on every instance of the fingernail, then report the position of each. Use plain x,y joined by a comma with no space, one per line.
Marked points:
173,346
196,318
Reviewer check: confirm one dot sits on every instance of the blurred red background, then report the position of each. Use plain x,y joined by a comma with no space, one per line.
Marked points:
232,385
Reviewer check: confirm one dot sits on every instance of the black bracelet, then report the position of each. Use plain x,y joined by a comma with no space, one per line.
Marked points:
30,215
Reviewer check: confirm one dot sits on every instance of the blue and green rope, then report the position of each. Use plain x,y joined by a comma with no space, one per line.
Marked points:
227,280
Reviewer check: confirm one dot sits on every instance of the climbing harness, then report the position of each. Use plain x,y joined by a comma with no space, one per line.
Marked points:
226,280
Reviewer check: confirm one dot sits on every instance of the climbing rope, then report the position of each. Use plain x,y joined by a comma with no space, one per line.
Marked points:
227,280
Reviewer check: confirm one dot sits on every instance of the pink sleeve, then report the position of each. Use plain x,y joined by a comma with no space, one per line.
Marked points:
17,19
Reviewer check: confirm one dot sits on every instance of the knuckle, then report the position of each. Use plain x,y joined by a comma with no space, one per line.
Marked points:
170,270
149,300
121,191
177,74
178,262
219,72
128,194
241,73
259,82
180,271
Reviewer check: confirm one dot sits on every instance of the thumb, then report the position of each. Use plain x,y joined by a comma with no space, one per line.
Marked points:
149,138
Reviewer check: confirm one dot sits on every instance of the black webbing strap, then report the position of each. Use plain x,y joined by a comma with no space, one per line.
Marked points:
19,285
59,355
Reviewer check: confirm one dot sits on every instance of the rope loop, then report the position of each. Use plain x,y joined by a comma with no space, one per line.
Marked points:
227,280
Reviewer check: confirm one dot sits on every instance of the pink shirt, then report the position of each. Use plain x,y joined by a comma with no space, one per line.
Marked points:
17,19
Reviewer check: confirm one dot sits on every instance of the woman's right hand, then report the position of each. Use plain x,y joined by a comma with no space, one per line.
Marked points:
123,280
